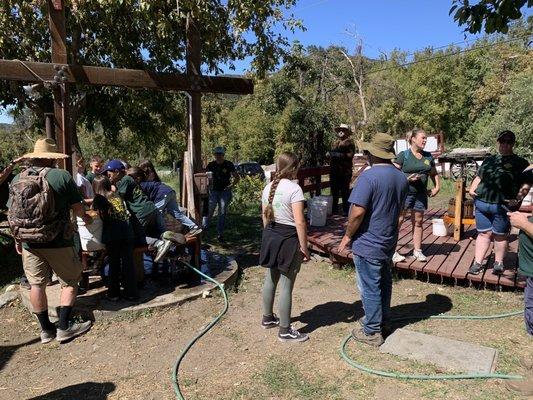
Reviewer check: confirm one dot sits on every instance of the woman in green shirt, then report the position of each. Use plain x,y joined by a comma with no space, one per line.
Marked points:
417,165
497,187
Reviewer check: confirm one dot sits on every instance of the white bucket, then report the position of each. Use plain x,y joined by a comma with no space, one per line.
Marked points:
91,235
318,212
439,228
329,200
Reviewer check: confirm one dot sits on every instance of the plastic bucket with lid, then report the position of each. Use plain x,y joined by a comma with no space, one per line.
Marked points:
318,212
329,200
439,227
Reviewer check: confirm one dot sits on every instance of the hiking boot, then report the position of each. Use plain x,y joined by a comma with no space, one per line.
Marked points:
177,238
524,387
162,246
375,339
497,268
74,330
397,257
195,231
270,321
386,328
475,268
419,256
291,335
47,335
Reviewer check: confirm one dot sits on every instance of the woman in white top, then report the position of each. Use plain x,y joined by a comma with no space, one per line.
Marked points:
283,245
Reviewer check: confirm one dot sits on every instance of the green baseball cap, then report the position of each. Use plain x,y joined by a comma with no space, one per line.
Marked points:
381,145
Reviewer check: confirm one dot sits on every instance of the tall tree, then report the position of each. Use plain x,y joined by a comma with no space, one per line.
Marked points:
142,34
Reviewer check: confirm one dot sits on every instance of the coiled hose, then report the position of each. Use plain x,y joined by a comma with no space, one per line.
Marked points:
396,375
176,367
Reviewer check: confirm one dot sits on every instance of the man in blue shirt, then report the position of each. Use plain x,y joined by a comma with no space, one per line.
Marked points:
376,202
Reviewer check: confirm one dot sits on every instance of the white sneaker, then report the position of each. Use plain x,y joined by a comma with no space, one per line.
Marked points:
397,257
419,256
162,246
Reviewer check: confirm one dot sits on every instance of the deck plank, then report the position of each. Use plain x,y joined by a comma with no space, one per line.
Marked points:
446,257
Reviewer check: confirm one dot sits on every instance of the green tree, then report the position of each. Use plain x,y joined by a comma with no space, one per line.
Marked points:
144,34
489,15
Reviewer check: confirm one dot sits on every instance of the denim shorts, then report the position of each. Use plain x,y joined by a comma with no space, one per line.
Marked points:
416,201
491,217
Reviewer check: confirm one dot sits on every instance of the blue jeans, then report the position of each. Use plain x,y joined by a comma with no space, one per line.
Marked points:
374,280
170,205
220,198
491,217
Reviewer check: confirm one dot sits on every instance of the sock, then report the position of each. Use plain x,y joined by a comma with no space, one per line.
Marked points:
64,316
44,320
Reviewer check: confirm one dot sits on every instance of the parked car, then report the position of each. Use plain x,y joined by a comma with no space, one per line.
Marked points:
250,168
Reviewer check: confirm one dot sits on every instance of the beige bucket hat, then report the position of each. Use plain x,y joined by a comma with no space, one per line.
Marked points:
344,127
45,148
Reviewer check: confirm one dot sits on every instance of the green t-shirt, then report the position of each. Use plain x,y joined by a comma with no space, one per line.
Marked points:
65,195
525,253
412,165
501,177
116,218
90,176
134,197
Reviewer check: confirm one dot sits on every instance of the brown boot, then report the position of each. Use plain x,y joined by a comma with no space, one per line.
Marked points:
524,387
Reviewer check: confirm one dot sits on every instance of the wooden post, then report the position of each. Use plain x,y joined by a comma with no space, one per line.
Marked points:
458,218
58,34
194,145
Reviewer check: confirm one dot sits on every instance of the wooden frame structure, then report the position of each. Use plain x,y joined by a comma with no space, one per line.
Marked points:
60,75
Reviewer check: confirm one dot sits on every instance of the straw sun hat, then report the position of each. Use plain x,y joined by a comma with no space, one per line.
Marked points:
45,148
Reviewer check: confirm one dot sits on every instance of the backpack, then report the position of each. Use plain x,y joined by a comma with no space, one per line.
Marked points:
32,216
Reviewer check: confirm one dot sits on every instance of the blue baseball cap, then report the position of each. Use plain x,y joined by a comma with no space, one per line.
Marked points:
113,165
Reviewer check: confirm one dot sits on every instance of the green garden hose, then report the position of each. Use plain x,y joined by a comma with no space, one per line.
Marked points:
175,382
396,375
344,355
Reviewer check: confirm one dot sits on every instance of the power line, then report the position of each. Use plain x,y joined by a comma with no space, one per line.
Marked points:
449,54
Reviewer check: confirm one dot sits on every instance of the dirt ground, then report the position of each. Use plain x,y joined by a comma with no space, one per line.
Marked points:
130,356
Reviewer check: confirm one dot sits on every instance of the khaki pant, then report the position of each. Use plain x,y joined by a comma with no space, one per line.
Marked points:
40,263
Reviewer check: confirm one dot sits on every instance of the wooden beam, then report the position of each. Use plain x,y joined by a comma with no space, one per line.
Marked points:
58,33
28,71
194,109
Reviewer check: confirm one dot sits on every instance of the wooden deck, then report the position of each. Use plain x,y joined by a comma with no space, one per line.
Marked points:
448,260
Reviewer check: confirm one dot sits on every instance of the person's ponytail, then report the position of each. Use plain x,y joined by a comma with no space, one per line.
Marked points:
286,167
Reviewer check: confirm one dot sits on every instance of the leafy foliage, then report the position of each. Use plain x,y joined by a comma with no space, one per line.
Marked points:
247,193
490,15
145,35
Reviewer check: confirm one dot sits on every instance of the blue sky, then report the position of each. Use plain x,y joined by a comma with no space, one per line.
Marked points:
383,25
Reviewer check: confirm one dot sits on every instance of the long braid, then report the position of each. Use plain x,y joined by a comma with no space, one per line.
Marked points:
269,210
286,168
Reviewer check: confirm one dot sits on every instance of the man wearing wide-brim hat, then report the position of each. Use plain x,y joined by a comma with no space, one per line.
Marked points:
340,175
44,235
376,201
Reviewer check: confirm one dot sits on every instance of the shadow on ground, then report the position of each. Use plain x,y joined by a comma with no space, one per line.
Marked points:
6,352
86,390
333,312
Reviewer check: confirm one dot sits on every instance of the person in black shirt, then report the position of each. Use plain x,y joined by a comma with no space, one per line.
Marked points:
340,175
220,191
